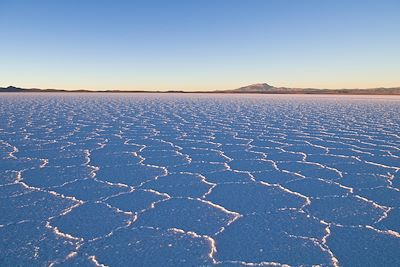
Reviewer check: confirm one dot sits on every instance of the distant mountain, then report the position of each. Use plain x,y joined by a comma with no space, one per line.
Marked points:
260,88
264,88
11,89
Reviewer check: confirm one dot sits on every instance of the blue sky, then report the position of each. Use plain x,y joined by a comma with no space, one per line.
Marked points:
199,44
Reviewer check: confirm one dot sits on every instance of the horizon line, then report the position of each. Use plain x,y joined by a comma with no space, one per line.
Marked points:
193,91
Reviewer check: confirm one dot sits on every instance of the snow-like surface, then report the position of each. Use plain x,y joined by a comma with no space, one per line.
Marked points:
199,180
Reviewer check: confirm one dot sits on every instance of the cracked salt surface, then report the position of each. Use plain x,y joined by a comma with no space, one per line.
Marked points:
199,180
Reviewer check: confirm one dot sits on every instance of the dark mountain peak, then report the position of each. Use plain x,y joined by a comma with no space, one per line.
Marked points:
265,85
258,87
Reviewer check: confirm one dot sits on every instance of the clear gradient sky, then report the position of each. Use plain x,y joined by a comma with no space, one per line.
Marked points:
199,44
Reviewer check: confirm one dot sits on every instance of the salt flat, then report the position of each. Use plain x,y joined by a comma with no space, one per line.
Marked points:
199,180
